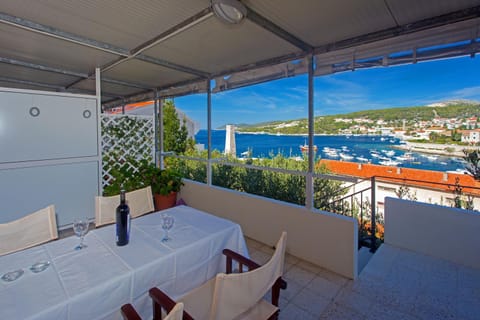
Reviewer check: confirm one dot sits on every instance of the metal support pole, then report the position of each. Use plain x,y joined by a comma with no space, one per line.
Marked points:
160,136
373,247
309,190
98,91
209,130
155,129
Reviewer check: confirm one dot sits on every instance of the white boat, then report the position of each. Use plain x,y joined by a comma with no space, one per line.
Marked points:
409,156
345,156
390,153
362,159
332,154
432,158
389,162
245,153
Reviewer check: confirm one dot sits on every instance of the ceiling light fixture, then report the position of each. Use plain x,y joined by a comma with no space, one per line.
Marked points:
229,11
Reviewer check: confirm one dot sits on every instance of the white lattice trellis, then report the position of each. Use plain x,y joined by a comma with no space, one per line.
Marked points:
126,139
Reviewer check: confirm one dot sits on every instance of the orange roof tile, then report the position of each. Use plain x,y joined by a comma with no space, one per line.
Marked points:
421,178
132,106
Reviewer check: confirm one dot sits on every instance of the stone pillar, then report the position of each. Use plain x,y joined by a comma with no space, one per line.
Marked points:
230,147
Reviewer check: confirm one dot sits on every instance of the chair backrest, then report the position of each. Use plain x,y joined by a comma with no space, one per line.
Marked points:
237,292
176,313
28,231
139,201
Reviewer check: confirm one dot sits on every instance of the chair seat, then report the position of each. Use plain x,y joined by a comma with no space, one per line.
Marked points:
198,302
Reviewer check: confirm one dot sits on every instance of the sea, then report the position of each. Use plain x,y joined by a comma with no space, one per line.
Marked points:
373,149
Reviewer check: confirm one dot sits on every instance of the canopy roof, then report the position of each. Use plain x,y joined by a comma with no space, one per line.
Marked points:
175,46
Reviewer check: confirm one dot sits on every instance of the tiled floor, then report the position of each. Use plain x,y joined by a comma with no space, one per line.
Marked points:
397,284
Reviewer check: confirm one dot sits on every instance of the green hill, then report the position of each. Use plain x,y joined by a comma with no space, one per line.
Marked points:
394,117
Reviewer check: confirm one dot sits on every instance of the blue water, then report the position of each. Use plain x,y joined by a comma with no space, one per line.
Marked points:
265,145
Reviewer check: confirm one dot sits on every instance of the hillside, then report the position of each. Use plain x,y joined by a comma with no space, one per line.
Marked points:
393,117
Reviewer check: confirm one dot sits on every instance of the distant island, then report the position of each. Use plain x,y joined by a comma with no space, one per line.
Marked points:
435,123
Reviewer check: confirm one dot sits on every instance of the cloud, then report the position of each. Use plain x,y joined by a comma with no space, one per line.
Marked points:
467,93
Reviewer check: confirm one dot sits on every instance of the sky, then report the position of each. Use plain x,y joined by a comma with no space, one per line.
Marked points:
376,88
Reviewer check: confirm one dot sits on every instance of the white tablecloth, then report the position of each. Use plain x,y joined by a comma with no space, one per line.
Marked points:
94,282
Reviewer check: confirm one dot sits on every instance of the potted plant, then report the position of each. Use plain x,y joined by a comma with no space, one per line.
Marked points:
165,184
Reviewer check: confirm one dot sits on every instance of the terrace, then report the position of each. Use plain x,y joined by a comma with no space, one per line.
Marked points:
110,55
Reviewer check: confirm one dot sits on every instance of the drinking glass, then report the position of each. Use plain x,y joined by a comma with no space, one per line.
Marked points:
80,227
167,224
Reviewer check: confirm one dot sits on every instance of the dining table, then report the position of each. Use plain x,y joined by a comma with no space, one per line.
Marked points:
94,282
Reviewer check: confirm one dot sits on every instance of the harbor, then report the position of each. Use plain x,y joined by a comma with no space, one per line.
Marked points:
373,149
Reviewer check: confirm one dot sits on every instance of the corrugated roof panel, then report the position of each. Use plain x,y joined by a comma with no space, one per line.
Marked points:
23,73
213,46
7,84
463,31
123,23
146,73
107,88
408,11
40,49
326,21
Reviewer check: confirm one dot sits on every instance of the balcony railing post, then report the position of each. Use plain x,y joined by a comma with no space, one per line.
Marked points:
209,128
373,210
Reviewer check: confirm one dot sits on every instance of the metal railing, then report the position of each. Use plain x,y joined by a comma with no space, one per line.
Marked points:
359,204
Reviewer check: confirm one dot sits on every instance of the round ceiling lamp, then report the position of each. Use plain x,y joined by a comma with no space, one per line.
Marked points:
229,11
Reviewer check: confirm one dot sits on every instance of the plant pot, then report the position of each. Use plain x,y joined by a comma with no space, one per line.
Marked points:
164,202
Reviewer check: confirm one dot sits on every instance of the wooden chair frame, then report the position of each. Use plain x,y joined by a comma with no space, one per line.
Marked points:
161,301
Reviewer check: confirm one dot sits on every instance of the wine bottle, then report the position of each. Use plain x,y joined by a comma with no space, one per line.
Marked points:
123,221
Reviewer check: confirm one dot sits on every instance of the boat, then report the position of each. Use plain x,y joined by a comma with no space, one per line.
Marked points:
409,156
362,159
345,156
389,162
390,153
304,148
375,155
330,152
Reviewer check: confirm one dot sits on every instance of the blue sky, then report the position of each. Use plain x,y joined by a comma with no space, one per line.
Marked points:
376,88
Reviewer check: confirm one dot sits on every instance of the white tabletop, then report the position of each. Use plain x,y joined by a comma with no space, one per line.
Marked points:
94,282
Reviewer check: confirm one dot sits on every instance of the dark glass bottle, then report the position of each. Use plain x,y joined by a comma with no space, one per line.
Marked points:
123,221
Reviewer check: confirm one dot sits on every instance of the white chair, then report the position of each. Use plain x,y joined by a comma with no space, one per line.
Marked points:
139,201
237,295
175,313
28,231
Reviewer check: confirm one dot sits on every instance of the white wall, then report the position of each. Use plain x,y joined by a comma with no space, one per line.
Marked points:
447,233
325,239
48,154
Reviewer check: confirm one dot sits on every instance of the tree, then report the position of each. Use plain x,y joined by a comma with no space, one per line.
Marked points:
472,157
175,137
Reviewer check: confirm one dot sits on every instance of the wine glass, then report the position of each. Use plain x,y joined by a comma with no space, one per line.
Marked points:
80,227
167,224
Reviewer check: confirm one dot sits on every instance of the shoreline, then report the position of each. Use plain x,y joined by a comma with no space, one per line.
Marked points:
449,150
